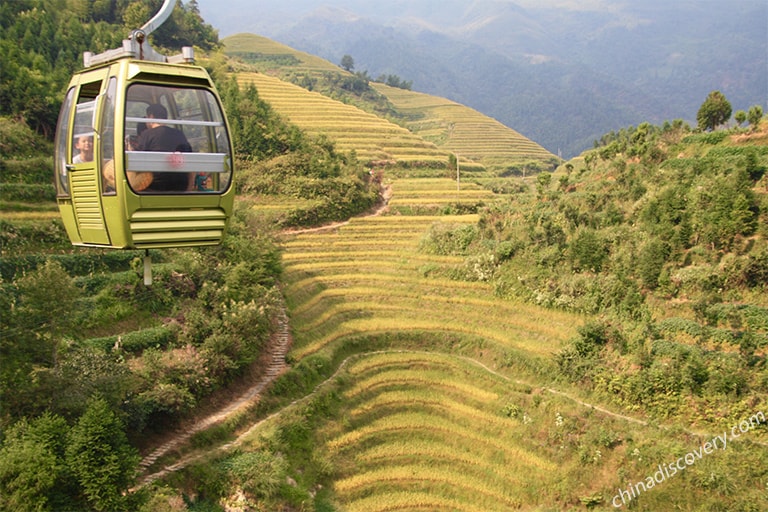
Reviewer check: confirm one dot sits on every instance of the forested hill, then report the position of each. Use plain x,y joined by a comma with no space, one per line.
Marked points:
42,43
494,342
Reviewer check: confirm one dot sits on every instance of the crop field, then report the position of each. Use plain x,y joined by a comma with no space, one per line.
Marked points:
424,429
436,127
269,54
462,130
370,275
452,428
371,137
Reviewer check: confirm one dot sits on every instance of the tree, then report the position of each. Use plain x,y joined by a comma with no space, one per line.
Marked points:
47,307
102,461
715,111
740,116
754,116
347,63
588,251
32,471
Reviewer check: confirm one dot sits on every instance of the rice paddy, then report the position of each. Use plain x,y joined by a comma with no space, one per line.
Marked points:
443,404
426,430
421,431
437,127
464,131
372,138
369,275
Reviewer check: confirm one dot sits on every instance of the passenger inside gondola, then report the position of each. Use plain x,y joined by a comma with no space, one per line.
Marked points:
162,137
84,146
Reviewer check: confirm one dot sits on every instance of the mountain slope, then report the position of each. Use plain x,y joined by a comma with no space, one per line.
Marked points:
464,131
438,127
562,73
371,137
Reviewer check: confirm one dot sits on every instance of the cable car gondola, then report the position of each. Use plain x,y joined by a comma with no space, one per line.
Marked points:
143,156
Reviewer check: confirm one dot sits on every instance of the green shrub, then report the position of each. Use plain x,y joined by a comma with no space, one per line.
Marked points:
17,140
29,236
80,263
27,192
448,239
587,251
258,473
136,341
36,170
713,138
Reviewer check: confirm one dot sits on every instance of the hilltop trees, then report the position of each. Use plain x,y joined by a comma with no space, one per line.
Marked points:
42,42
754,116
715,111
347,63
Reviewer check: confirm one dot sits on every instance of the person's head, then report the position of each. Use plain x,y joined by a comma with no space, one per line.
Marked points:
157,111
84,144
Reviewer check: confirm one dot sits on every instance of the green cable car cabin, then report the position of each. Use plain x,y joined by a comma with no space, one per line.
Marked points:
143,153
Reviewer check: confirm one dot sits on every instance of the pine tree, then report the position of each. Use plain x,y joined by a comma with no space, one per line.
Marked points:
102,461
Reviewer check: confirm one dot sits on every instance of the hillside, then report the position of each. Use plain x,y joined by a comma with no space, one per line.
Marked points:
371,138
439,362
439,127
271,57
465,131
561,73
591,338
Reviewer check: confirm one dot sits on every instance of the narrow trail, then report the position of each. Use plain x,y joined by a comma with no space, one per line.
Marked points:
192,457
277,349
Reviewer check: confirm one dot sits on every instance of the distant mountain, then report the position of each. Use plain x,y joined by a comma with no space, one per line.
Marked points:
562,73
429,131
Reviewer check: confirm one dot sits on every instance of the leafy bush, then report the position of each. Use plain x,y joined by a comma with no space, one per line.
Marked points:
580,356
448,239
712,138
17,140
26,192
82,263
135,342
258,473
587,251
36,170
21,237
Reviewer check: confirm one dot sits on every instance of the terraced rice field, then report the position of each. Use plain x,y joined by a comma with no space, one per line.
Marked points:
420,431
279,55
370,137
438,127
426,432
369,276
464,131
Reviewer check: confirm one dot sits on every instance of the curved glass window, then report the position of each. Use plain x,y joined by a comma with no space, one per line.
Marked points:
176,141
107,139
62,140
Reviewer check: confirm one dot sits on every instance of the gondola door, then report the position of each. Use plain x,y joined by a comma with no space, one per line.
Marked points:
85,154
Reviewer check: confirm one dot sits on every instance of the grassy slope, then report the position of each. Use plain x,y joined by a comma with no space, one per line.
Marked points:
462,130
480,141
352,129
423,425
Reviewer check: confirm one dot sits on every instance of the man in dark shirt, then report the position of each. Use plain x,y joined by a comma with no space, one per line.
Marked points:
162,137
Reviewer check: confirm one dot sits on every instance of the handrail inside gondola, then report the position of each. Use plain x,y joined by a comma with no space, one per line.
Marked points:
171,161
183,122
